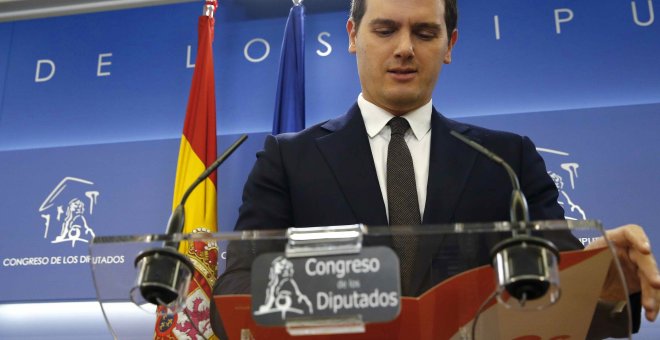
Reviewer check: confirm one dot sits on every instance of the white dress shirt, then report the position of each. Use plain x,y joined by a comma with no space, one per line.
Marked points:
418,139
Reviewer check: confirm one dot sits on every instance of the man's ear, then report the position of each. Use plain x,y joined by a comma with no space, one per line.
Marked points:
452,41
351,29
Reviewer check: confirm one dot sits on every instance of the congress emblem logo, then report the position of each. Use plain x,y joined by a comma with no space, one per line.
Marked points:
67,211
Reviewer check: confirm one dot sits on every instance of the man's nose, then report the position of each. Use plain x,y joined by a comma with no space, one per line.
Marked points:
405,48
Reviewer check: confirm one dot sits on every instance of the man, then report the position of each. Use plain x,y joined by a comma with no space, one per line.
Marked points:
337,172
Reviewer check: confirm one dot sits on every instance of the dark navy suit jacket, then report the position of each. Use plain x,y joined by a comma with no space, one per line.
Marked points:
325,175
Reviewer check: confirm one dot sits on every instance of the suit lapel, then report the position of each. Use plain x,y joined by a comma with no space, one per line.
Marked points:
450,164
348,154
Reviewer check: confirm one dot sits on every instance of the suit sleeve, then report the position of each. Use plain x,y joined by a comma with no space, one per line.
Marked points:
539,189
266,199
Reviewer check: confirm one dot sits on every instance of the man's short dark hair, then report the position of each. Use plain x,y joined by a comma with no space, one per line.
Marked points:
358,7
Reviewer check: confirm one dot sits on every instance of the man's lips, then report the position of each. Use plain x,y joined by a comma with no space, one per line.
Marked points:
402,74
402,70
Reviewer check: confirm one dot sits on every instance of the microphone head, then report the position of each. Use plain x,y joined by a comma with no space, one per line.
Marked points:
163,277
527,269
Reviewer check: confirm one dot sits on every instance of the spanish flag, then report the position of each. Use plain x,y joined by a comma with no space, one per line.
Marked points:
196,152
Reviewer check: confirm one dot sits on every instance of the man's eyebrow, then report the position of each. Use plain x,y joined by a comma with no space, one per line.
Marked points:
383,22
427,25
392,23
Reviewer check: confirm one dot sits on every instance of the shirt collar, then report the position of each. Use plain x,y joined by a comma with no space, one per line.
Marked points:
376,118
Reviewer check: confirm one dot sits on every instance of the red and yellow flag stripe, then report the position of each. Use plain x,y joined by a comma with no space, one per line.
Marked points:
198,150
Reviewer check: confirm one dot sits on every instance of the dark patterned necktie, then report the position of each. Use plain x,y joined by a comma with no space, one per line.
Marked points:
402,200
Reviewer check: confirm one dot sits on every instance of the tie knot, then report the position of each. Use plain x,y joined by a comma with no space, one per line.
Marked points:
398,125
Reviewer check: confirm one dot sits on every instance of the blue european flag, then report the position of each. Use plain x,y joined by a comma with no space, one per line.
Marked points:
290,101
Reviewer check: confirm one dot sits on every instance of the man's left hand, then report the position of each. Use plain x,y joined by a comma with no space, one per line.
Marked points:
640,268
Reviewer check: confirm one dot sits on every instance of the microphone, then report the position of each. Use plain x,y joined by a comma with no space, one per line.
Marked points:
519,211
164,273
525,265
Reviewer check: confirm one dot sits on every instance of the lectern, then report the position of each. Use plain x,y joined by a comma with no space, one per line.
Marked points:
342,282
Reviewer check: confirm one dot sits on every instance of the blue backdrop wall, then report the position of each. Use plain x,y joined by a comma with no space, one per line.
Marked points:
92,107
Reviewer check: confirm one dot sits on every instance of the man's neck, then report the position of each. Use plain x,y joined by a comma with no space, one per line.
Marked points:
398,112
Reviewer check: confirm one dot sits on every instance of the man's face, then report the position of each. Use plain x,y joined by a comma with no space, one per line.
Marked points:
400,47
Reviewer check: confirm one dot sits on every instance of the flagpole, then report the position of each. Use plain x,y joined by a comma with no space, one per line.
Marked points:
197,151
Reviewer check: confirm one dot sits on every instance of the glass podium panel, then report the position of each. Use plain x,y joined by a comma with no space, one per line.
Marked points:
468,281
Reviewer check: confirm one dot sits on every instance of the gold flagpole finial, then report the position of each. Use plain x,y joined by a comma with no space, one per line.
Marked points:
209,8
